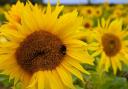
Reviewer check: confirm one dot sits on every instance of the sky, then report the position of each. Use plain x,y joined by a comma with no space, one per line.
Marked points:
68,1
85,1
111,1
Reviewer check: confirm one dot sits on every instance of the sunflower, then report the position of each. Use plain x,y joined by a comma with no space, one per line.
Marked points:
15,14
87,30
44,49
87,11
88,23
98,11
110,43
117,13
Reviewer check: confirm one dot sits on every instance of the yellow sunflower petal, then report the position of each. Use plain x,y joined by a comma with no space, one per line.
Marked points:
65,77
80,55
40,80
52,80
74,43
70,27
114,65
74,71
115,26
101,64
59,82
75,64
107,64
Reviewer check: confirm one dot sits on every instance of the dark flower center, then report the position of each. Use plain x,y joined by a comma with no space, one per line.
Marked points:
89,11
41,50
87,25
98,12
111,44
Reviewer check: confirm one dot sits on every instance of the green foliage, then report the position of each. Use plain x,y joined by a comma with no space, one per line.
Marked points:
2,18
4,82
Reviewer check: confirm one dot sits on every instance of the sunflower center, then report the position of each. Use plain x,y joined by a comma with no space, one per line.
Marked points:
87,25
97,12
41,50
111,44
89,11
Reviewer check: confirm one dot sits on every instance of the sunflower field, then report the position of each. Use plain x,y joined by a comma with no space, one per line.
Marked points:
45,46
